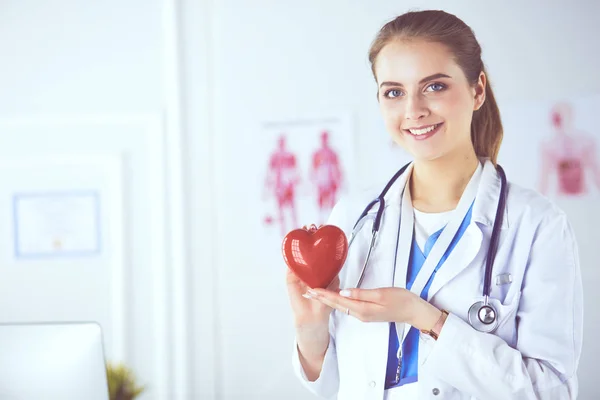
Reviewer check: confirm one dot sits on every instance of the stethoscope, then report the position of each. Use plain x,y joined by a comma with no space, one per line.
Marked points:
482,315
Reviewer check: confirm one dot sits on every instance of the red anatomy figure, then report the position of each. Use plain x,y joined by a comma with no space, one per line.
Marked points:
326,174
569,153
282,177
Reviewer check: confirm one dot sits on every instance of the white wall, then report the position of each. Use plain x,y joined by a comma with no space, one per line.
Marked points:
81,79
81,57
242,61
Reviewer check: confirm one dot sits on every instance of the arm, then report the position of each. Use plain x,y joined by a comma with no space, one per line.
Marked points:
339,176
312,345
268,179
549,329
317,369
314,357
313,168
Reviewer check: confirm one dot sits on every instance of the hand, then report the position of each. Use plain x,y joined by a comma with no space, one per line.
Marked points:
381,305
307,313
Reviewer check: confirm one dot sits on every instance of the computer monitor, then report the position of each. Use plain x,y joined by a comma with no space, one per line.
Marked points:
52,361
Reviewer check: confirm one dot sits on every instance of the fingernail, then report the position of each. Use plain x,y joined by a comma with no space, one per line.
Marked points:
307,296
345,293
312,293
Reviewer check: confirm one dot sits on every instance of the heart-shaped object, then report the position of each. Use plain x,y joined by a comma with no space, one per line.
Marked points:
316,256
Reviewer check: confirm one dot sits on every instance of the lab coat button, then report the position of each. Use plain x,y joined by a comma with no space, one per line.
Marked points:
372,384
435,391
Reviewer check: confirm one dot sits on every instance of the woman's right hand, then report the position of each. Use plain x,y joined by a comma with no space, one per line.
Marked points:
308,313
311,320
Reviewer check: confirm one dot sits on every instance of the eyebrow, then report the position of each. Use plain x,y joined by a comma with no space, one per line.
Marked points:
431,77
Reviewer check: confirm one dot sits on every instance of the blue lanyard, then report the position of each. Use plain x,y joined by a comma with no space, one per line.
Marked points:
403,370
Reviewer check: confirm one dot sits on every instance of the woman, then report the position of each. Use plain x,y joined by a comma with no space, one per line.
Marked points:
387,339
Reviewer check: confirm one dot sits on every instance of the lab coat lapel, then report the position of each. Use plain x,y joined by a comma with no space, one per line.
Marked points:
404,240
462,255
447,235
380,273
484,210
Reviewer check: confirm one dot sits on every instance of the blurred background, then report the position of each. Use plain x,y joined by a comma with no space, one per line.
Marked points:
153,154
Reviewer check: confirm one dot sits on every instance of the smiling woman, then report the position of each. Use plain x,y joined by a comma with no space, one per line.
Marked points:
431,75
418,323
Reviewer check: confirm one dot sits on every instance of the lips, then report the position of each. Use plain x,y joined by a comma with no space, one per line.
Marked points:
423,132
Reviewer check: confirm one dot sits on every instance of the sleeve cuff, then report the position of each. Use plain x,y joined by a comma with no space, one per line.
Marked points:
448,340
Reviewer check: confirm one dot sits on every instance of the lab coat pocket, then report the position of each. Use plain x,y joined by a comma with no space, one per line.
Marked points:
507,313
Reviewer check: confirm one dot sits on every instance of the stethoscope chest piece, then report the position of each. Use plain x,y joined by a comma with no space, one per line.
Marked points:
483,317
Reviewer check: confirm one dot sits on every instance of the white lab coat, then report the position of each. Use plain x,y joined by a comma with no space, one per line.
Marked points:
535,351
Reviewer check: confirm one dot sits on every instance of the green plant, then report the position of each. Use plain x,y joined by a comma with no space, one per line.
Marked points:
122,383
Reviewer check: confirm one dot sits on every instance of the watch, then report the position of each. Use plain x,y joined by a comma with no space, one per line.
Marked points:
437,328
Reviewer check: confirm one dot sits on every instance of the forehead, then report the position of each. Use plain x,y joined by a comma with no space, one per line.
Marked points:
408,61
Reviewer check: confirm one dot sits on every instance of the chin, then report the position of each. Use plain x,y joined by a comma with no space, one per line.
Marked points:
425,158
422,156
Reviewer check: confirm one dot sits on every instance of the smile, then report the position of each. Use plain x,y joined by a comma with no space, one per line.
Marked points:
424,132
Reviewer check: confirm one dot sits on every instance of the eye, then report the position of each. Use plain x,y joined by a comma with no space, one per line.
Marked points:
436,87
392,93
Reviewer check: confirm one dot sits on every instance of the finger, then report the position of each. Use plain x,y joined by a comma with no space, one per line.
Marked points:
368,295
333,304
334,300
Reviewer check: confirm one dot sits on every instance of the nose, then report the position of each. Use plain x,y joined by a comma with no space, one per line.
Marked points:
415,107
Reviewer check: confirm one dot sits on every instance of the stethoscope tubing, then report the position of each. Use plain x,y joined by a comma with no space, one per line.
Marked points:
491,254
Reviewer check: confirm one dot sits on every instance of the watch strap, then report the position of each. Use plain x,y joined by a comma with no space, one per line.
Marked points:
437,328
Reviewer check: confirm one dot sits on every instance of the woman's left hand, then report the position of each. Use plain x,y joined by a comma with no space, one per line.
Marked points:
381,305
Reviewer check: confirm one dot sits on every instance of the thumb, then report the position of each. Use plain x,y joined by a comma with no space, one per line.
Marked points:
370,295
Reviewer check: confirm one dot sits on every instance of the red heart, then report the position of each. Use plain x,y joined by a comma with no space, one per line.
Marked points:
316,256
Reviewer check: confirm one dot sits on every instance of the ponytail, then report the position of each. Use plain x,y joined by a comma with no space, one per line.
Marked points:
486,127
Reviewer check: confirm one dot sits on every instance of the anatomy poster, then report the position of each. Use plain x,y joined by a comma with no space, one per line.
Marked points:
307,167
554,147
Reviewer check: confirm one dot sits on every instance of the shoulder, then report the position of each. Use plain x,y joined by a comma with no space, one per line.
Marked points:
527,207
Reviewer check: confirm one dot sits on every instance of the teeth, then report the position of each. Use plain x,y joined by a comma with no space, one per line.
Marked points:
422,131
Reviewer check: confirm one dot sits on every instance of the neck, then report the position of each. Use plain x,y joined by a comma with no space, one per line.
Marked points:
437,186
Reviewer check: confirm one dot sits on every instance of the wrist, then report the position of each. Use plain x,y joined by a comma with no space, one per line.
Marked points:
432,321
426,317
309,333
312,343
437,328
311,327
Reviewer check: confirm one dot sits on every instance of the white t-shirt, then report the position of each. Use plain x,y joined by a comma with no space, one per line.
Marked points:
425,225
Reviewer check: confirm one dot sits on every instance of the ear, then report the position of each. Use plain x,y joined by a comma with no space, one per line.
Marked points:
480,91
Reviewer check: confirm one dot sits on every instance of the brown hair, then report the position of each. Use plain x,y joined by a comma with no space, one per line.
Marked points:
447,29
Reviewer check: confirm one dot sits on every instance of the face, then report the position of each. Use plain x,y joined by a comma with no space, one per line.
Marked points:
425,99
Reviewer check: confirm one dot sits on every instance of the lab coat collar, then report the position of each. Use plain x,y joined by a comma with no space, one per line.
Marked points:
394,195
486,201
484,212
